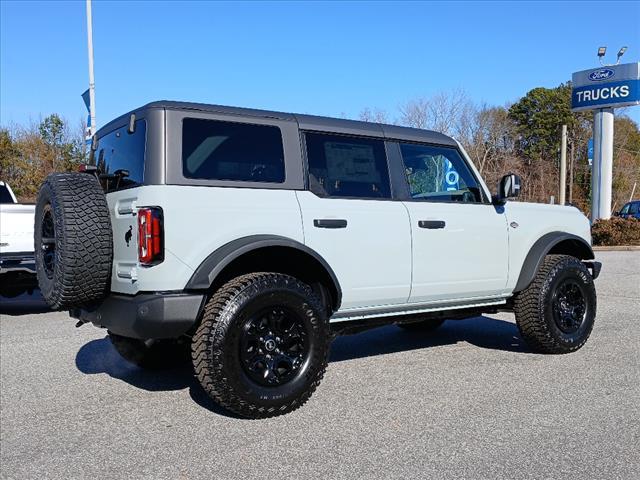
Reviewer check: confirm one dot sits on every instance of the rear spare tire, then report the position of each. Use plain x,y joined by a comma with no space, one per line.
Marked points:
73,240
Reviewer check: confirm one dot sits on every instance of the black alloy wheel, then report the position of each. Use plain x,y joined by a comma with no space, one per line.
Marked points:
569,306
48,241
273,346
262,345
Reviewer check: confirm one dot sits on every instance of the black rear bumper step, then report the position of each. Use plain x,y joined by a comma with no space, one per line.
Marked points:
145,315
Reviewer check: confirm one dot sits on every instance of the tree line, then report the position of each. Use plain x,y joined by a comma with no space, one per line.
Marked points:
28,153
522,138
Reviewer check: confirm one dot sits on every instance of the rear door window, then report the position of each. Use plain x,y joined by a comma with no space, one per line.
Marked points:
124,151
216,150
342,166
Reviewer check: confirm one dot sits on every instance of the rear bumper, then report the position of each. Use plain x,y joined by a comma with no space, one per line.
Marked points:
17,262
146,315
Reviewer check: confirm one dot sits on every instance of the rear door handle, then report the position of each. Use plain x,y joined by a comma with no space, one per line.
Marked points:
432,224
330,223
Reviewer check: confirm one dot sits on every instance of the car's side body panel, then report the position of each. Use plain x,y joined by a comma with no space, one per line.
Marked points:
465,258
371,255
528,222
197,221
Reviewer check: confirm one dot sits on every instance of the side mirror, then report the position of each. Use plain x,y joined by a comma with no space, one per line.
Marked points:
509,187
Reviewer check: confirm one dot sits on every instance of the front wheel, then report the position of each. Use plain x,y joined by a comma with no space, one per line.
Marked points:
555,314
261,348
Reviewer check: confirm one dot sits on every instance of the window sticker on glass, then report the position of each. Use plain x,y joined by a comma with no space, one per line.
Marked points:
351,163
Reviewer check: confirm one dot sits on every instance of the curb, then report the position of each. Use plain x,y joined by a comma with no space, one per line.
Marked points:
617,248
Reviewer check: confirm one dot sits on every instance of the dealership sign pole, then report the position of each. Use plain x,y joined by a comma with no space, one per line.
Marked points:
92,85
603,89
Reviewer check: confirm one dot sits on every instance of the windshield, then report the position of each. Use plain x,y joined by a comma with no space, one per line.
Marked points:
121,150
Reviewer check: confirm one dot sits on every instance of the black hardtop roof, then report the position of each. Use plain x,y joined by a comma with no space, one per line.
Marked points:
306,122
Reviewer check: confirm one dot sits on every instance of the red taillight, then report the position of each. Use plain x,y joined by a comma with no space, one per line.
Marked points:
150,236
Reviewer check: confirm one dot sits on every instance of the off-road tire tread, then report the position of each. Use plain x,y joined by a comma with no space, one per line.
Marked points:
207,344
84,240
528,309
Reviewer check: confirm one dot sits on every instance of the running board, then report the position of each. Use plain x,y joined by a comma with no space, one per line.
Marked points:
403,310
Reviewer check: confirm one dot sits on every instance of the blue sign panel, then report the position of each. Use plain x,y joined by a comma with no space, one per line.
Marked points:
606,87
609,94
590,151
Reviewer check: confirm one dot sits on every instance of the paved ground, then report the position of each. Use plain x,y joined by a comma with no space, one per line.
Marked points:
466,402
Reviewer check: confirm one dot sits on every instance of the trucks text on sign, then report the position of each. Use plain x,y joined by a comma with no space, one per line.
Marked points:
606,87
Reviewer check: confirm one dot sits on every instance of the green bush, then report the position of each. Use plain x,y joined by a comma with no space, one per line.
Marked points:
616,231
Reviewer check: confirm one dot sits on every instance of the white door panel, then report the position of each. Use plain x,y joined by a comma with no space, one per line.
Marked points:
371,256
466,258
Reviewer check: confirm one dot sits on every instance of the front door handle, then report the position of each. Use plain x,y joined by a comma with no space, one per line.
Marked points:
330,223
432,224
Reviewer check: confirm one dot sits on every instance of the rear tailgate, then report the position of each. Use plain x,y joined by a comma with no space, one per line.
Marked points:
123,209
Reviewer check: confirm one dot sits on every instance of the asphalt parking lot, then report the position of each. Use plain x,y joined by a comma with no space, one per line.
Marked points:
468,401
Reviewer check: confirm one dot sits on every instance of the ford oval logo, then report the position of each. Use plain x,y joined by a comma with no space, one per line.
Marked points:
602,74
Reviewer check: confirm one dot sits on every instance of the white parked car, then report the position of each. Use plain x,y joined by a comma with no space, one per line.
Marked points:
17,267
254,237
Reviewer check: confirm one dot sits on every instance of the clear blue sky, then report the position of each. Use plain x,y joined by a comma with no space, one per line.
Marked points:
323,58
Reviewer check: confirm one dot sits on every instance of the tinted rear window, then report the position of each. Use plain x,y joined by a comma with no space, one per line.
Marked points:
342,166
215,150
121,150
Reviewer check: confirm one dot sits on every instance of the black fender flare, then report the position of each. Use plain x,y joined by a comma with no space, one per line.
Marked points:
210,268
542,247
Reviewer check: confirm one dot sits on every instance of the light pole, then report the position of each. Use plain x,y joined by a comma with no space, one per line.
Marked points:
92,85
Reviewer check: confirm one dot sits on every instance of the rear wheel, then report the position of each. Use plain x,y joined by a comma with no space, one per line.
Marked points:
262,346
555,314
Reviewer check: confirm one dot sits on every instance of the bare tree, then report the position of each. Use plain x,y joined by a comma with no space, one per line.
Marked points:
373,115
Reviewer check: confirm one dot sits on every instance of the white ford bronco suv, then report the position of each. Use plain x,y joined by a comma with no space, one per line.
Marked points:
251,238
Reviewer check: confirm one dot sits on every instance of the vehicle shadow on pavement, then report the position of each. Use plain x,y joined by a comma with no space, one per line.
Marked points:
481,331
100,357
24,304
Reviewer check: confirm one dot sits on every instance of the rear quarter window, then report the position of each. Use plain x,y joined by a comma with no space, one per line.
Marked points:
218,150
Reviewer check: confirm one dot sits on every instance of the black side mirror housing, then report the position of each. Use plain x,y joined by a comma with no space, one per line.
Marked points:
509,187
